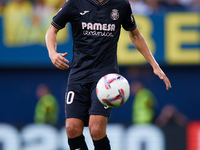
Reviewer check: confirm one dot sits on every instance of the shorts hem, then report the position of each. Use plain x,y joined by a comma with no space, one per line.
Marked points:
105,115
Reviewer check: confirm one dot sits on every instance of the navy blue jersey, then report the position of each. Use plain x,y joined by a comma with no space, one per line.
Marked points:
95,30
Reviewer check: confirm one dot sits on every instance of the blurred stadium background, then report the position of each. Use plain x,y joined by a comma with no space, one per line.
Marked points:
155,119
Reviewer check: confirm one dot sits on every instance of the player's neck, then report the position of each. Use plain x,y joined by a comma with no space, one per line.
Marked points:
100,1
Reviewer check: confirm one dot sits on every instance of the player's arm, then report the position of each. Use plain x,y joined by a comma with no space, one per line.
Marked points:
141,45
57,58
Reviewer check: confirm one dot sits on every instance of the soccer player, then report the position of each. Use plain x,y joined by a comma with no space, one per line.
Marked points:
96,28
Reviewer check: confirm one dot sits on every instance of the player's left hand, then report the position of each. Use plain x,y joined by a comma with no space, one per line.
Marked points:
158,71
59,61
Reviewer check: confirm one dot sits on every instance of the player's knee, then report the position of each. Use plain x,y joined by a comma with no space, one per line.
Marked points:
73,130
96,132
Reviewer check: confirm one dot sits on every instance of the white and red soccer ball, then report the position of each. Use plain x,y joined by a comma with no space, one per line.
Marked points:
113,90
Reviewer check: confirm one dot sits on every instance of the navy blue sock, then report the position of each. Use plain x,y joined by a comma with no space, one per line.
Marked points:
77,143
102,144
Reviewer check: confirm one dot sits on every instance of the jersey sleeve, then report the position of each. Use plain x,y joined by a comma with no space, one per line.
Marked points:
128,22
63,16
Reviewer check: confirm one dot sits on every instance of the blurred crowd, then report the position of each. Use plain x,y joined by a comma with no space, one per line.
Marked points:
148,7
143,7
30,18
39,7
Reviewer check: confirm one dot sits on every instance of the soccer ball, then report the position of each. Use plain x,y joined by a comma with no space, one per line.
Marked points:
113,90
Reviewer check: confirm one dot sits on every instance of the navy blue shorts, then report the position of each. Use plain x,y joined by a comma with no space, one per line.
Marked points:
81,102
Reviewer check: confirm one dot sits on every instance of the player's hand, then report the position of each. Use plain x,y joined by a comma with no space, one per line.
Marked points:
59,60
162,76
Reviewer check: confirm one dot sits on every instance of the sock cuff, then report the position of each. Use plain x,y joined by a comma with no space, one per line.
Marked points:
77,140
102,143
